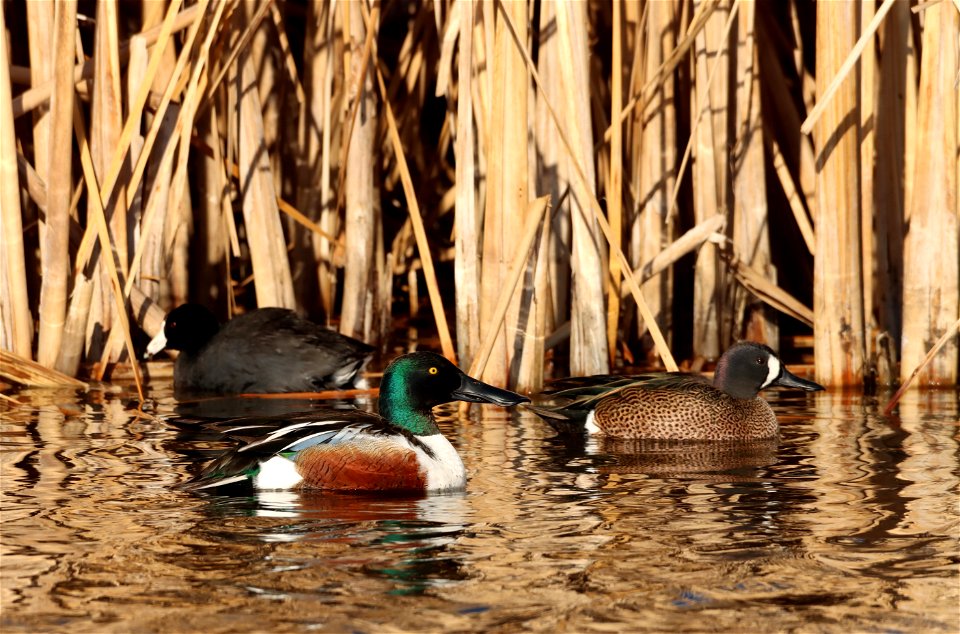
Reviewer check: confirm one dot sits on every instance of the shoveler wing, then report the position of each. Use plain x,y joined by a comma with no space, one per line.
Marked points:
265,438
332,449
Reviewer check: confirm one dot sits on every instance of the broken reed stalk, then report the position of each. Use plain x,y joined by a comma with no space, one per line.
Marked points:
15,368
793,197
949,334
17,331
107,252
690,241
827,94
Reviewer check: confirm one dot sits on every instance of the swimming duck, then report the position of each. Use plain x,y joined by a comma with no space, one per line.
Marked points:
265,350
676,405
401,449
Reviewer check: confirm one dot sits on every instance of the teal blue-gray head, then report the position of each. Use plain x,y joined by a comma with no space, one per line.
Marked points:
401,449
675,405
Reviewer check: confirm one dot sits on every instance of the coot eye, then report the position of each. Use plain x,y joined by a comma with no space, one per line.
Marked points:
759,360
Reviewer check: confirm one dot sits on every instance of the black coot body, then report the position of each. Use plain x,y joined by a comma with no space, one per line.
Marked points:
265,350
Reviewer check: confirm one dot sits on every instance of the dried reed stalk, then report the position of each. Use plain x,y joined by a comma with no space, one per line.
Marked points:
868,140
655,156
507,188
357,180
931,280
106,122
17,331
750,212
796,148
588,354
40,17
467,226
55,255
614,195
313,128
838,297
268,252
550,178
893,108
329,218
710,186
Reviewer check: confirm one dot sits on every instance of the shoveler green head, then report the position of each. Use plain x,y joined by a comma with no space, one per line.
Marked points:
401,449
674,405
414,383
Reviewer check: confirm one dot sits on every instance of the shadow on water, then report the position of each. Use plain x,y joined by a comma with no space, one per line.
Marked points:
848,522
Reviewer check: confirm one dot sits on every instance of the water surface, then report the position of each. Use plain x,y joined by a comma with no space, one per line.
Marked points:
849,523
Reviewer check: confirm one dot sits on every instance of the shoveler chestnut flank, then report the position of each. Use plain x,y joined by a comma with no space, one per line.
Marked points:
401,449
265,350
676,405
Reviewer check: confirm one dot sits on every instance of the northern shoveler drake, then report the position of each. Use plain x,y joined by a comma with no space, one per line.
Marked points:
676,405
265,350
401,449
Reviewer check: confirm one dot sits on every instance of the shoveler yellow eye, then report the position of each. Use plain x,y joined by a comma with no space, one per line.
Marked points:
433,370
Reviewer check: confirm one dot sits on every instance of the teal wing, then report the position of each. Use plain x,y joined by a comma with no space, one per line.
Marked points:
583,394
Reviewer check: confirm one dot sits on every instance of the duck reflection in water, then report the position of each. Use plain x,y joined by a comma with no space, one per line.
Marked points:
405,539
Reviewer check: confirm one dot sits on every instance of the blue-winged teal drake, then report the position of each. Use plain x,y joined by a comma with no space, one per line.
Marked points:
675,405
401,449
265,350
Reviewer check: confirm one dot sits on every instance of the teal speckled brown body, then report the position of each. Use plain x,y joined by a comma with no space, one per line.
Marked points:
677,406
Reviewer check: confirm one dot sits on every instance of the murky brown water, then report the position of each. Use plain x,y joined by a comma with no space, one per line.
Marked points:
850,523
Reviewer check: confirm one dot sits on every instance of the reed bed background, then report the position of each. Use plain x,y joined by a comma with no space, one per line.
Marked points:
577,186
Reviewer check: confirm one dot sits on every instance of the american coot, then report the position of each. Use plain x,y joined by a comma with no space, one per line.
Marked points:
265,350
674,405
402,449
